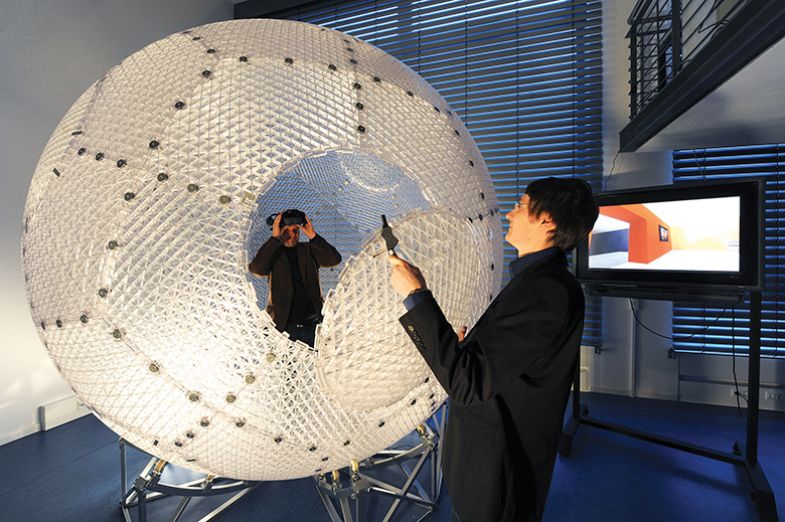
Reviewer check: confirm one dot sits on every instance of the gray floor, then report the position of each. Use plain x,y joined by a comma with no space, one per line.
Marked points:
71,473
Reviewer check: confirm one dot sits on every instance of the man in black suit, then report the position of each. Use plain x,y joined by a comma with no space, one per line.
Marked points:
509,379
295,296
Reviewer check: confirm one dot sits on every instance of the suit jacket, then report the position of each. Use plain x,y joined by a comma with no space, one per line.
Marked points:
271,261
508,383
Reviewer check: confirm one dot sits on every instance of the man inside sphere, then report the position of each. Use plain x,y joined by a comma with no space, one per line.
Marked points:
295,296
509,379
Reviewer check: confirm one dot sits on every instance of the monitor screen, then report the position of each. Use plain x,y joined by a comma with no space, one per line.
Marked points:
693,234
687,235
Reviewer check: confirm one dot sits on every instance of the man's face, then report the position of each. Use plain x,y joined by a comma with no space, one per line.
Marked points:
526,232
290,235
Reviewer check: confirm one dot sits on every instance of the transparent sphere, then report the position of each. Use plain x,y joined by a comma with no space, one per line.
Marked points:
150,199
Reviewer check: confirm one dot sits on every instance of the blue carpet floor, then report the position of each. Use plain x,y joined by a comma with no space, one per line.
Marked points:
71,473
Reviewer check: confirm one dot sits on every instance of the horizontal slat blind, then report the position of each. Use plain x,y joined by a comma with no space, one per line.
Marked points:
525,77
731,332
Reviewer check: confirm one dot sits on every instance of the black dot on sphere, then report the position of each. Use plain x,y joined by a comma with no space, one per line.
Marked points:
111,245
102,292
426,380
43,325
243,58
353,61
99,156
193,187
410,93
178,444
289,61
83,318
359,106
479,216
76,133
312,448
196,38
332,67
482,194
59,323
56,172
377,79
117,334
347,442
358,86
457,133
190,434
346,40
211,51
350,49
81,151
471,163
179,105
204,422
224,200
436,108
154,144
162,176
239,423
431,396
381,423
325,459
129,196
470,220
360,129
278,439
121,163
206,73
414,401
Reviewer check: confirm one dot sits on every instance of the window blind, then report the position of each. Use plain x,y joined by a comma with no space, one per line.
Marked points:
730,333
525,77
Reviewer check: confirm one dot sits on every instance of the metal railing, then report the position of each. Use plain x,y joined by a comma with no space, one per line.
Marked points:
665,35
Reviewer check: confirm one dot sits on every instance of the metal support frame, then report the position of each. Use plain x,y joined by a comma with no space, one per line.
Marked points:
147,487
760,490
348,490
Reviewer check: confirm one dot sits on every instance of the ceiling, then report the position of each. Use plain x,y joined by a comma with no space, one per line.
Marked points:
747,109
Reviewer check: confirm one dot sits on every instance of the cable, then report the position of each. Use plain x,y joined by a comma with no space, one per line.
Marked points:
738,394
637,320
613,165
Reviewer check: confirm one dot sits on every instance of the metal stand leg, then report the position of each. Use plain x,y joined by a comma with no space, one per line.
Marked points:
359,484
148,487
760,490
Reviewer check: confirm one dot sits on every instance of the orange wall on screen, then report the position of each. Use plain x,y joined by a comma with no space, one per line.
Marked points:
644,243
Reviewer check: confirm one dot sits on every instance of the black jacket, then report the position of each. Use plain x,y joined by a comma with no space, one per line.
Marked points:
508,384
271,261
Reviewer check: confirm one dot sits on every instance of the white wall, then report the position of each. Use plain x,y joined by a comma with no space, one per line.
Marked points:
50,52
633,361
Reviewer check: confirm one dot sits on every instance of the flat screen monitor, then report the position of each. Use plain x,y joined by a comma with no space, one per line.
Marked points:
689,235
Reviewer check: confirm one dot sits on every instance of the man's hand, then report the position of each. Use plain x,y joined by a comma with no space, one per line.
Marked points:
277,226
308,228
462,334
405,278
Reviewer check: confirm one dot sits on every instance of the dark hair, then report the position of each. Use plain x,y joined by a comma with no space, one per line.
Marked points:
571,205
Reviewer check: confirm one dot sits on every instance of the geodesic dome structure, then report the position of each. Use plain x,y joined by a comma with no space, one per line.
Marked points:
150,198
